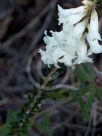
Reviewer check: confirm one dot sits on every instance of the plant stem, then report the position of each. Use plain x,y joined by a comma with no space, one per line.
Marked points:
20,125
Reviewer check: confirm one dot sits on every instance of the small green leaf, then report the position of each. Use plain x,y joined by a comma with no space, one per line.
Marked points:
62,93
83,107
83,90
89,68
99,92
85,73
91,97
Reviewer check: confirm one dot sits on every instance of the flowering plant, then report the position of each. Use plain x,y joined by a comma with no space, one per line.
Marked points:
73,45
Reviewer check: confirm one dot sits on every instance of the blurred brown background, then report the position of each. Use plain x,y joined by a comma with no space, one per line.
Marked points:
22,26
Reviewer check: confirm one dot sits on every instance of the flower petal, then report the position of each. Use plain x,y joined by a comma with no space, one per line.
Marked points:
80,28
94,27
71,16
82,53
95,47
46,58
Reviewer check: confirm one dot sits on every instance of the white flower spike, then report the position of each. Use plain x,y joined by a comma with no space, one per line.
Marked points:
69,45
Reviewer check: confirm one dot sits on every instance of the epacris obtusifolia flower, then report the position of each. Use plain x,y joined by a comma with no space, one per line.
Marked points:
69,45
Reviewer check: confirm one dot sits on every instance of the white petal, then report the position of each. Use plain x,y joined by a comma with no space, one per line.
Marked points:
94,27
71,16
71,19
68,29
95,47
58,36
46,58
93,35
82,53
75,18
80,28
49,40
66,60
66,12
56,55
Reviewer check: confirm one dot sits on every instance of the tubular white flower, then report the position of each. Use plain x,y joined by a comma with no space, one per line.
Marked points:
68,46
93,35
71,16
61,56
82,53
95,47
93,27
49,40
80,28
46,57
59,48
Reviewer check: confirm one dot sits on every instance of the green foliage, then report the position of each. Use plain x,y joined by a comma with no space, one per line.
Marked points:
58,94
99,93
85,73
20,124
4,130
85,96
90,98
44,126
83,107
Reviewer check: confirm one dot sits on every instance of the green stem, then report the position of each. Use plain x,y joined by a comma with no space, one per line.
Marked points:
19,127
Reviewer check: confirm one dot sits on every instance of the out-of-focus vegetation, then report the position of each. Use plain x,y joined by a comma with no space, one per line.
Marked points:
62,111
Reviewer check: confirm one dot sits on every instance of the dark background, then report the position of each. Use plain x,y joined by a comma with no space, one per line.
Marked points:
22,26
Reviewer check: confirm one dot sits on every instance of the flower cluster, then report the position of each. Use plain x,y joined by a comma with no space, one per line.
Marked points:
78,39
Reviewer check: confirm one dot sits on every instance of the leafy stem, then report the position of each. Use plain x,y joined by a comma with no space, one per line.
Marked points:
20,125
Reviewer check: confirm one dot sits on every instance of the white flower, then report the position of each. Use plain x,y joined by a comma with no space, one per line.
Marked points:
46,57
80,28
71,16
69,45
59,48
82,53
93,35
